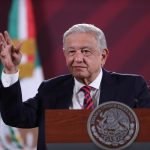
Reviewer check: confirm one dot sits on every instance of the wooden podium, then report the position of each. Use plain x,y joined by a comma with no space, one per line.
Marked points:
70,126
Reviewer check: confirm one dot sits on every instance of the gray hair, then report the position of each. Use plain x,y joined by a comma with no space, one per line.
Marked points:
88,28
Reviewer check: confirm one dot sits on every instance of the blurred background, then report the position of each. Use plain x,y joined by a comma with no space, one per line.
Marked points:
41,24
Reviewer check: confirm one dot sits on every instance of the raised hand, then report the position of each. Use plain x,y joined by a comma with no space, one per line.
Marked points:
10,55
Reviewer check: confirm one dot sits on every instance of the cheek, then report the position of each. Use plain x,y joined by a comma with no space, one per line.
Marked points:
94,65
69,61
95,62
99,60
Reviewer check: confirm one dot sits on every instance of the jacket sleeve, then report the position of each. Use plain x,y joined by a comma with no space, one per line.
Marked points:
16,113
142,91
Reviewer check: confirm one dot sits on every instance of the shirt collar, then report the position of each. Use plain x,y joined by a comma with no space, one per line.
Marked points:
95,84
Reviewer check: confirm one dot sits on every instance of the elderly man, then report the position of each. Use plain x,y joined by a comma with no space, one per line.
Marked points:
88,85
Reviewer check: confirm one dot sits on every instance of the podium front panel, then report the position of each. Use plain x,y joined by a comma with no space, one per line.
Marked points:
92,146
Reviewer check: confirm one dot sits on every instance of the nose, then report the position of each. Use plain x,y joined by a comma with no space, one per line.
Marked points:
78,57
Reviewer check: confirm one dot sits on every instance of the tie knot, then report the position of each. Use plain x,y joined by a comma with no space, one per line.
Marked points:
86,89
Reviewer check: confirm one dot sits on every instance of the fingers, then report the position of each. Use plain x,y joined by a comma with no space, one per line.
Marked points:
7,38
5,47
7,44
2,41
16,54
10,55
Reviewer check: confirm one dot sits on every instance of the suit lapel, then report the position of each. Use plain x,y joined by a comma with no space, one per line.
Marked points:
108,90
64,98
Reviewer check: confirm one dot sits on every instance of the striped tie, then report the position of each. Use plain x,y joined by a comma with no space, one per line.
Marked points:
88,102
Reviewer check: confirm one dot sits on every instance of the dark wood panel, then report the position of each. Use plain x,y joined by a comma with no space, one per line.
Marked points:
70,126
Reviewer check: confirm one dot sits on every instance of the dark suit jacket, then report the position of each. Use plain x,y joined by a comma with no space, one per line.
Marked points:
57,93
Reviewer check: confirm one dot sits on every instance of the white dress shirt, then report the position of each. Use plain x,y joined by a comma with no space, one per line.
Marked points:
9,79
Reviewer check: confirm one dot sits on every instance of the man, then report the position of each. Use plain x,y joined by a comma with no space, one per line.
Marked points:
85,51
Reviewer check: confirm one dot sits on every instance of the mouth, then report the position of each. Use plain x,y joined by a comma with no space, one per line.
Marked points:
79,67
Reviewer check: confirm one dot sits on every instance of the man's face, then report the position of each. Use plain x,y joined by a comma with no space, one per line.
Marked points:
83,56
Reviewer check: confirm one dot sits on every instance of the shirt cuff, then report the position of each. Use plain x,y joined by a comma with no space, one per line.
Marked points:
9,79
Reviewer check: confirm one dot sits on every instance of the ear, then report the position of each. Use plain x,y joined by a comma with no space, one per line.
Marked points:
104,55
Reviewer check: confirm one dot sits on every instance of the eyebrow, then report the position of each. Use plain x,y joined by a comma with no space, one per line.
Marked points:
80,47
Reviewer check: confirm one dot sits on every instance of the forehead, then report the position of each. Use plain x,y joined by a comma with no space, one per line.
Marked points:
83,39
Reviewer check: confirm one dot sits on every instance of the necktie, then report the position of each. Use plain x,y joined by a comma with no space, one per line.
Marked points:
88,102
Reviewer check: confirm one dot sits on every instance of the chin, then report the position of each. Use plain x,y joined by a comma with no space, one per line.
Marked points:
79,75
